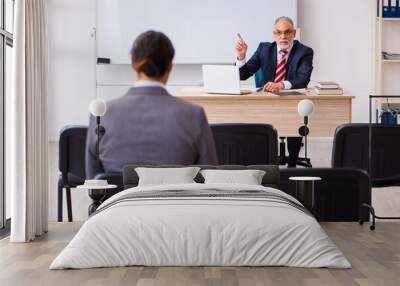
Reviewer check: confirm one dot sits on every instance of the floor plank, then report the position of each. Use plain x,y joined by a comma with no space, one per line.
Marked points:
374,255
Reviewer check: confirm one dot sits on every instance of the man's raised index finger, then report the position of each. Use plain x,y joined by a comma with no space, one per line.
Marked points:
240,37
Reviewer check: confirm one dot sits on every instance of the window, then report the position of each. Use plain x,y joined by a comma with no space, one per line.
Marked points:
6,44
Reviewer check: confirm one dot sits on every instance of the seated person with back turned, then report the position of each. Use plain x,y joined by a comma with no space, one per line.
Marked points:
285,63
148,125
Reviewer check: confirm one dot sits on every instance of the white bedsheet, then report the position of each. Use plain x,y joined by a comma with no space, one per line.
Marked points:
200,231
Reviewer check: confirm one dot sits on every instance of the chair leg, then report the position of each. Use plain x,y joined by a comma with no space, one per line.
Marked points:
60,202
374,216
69,207
371,210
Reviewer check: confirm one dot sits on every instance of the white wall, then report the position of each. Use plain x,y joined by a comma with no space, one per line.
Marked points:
341,32
71,63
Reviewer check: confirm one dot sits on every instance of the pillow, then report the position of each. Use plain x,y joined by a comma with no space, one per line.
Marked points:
165,176
248,177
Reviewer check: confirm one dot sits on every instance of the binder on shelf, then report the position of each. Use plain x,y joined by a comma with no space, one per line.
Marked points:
398,8
385,8
392,8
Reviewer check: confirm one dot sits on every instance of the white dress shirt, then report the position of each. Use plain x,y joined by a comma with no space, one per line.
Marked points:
148,83
286,83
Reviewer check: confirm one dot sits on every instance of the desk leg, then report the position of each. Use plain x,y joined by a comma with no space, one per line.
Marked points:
97,196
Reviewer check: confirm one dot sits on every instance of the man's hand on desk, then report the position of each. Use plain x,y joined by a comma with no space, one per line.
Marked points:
273,86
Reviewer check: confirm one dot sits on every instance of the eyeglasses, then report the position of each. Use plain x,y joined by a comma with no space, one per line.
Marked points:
285,33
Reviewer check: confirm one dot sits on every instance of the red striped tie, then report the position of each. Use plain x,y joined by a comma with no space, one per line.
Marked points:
281,67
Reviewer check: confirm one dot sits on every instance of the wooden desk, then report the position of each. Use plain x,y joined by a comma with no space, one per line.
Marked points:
280,111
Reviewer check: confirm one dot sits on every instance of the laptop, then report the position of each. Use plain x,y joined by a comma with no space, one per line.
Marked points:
222,79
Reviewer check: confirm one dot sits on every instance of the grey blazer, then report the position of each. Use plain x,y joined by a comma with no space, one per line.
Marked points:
149,126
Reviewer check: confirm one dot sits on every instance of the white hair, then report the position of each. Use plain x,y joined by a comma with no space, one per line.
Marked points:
284,18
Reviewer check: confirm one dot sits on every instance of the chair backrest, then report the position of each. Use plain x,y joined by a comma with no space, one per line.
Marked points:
258,78
245,144
351,149
72,151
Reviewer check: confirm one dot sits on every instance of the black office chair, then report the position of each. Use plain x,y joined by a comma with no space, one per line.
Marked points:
351,149
72,147
245,144
71,164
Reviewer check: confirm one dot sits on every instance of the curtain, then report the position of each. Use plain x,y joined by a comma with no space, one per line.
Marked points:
28,122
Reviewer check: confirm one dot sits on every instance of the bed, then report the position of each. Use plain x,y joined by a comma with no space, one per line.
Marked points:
201,224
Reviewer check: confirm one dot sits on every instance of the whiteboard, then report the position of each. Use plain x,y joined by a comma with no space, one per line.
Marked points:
201,31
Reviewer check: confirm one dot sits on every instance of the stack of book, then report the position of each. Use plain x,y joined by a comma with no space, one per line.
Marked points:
327,88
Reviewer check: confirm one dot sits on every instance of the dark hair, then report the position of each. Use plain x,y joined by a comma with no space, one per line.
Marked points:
152,53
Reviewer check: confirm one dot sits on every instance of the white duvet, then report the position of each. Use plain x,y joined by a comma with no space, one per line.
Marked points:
200,231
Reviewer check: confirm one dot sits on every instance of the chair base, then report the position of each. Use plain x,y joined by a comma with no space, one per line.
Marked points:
294,146
374,216
304,162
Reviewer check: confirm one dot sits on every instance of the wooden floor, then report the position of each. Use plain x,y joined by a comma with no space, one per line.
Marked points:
374,255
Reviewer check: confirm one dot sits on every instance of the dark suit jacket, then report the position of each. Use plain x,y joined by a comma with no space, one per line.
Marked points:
150,126
299,65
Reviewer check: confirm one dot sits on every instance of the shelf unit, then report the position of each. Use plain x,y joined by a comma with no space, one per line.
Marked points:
380,42
386,71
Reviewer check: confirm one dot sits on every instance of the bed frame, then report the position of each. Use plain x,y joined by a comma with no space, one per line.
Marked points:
340,193
270,179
